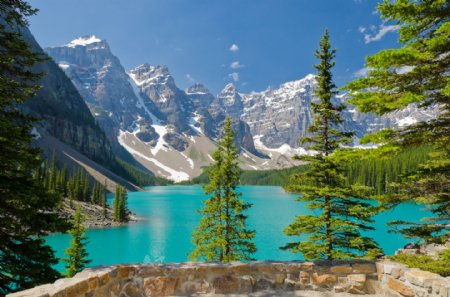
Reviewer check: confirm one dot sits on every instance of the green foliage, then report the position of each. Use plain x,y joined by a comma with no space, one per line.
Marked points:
120,205
426,262
424,33
341,211
381,172
138,176
76,254
27,210
222,234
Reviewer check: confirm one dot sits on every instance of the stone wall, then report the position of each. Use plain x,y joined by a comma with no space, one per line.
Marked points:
399,280
197,278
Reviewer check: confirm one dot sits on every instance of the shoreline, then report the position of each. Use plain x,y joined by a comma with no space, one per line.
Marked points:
94,215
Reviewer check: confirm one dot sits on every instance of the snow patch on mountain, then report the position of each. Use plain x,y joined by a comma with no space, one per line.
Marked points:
194,123
406,121
174,175
35,134
190,161
64,65
83,41
284,149
161,144
140,103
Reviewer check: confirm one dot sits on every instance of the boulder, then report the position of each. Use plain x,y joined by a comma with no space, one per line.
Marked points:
400,287
226,284
160,286
341,269
324,280
420,278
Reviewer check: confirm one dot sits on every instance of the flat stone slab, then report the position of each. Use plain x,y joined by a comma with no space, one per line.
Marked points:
299,293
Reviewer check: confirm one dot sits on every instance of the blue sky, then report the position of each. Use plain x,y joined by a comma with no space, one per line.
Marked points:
252,43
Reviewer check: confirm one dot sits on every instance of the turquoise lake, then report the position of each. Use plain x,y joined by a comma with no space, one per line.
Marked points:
169,215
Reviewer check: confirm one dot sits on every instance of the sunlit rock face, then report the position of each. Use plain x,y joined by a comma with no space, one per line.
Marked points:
144,112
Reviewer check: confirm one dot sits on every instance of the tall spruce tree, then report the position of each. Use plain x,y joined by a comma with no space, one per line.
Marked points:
123,205
120,207
27,211
104,201
335,230
222,234
417,73
76,254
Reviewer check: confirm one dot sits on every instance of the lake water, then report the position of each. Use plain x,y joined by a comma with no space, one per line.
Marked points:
169,216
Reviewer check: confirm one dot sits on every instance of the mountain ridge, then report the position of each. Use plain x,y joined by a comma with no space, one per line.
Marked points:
144,111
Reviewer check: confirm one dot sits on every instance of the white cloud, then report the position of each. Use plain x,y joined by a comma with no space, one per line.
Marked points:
236,65
234,48
190,78
234,76
382,31
244,83
362,29
362,72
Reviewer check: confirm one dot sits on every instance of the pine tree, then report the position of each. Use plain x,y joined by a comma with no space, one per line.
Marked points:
95,194
104,201
52,174
45,179
334,231
123,205
416,73
86,188
76,254
117,204
63,181
222,234
71,191
120,207
27,211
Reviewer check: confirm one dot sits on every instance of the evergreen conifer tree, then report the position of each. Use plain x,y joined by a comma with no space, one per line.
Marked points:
63,181
334,231
103,200
76,254
416,73
86,188
123,205
27,210
52,174
116,203
222,234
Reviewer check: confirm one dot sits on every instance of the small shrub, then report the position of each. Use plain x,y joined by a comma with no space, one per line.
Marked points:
425,262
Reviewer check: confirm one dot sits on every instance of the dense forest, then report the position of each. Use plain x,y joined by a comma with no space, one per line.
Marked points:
375,172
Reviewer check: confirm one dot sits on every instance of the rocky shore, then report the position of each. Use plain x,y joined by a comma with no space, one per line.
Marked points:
95,216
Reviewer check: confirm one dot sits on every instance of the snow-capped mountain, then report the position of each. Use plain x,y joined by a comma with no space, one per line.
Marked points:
172,132
104,84
168,130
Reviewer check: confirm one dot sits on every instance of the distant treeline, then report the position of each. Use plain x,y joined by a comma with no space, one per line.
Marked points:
376,173
138,176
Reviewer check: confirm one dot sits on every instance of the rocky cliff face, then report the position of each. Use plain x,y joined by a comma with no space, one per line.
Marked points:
63,113
105,86
282,115
143,110
163,127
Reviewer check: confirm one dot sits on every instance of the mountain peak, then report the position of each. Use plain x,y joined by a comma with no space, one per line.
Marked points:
150,69
310,77
197,88
148,74
229,88
84,41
